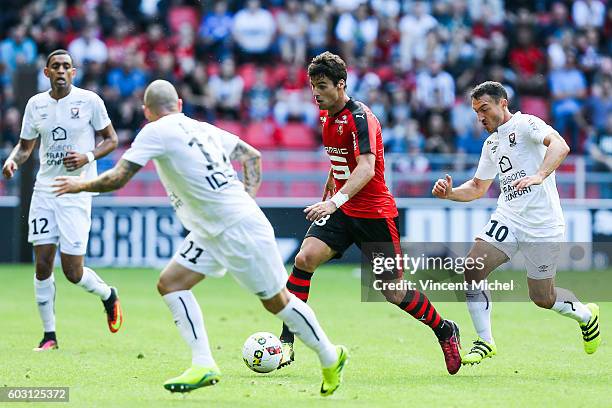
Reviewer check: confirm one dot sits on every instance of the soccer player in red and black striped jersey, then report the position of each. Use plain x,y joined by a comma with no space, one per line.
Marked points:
360,209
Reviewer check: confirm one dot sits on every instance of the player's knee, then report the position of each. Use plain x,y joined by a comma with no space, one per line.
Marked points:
44,268
306,261
163,286
73,274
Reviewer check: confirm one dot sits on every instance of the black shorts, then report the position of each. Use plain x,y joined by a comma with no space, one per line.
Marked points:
339,231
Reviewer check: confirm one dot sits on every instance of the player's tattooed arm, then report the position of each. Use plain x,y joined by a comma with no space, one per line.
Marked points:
114,178
110,180
21,152
250,158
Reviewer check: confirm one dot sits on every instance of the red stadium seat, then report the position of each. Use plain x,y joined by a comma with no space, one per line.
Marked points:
231,126
305,189
248,74
180,15
534,105
298,136
271,189
262,135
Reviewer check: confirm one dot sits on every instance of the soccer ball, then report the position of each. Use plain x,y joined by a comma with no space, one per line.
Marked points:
262,352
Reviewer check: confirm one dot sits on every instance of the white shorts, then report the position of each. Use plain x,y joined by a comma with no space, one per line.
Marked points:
540,246
63,221
247,250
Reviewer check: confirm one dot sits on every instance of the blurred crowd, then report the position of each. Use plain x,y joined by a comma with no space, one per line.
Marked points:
412,62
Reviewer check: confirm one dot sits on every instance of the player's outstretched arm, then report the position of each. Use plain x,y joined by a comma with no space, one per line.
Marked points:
75,160
360,176
250,158
21,152
110,180
470,190
557,150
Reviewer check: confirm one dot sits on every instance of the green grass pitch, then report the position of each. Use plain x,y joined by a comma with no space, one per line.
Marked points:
395,360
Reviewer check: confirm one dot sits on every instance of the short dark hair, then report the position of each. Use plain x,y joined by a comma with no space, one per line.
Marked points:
494,89
57,52
329,65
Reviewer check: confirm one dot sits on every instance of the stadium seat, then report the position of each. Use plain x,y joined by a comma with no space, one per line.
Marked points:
231,126
180,15
248,74
298,136
261,135
271,189
305,189
535,106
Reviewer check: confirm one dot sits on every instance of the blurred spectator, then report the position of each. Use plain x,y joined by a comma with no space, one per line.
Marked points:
317,28
128,78
196,94
413,28
11,128
439,137
154,44
528,60
360,79
253,31
588,13
260,97
184,48
121,44
435,88
16,50
215,32
226,90
357,33
88,48
294,101
559,22
292,25
568,89
599,148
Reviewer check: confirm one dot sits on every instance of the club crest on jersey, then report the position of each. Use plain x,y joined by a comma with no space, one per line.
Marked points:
512,139
74,113
340,129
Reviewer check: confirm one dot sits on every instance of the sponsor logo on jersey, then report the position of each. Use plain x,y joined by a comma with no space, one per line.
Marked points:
360,115
59,133
323,119
512,139
342,121
510,192
74,113
354,141
504,164
336,150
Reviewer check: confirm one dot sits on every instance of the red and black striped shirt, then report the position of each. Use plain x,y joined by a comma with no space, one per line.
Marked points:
353,131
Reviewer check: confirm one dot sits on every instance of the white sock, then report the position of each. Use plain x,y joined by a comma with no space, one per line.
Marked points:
567,304
92,283
187,316
479,305
301,320
44,290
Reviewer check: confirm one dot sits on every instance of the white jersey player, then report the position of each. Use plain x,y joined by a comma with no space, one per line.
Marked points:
66,119
523,152
228,231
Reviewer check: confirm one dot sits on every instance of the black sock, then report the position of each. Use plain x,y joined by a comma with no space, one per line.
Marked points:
49,336
443,331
